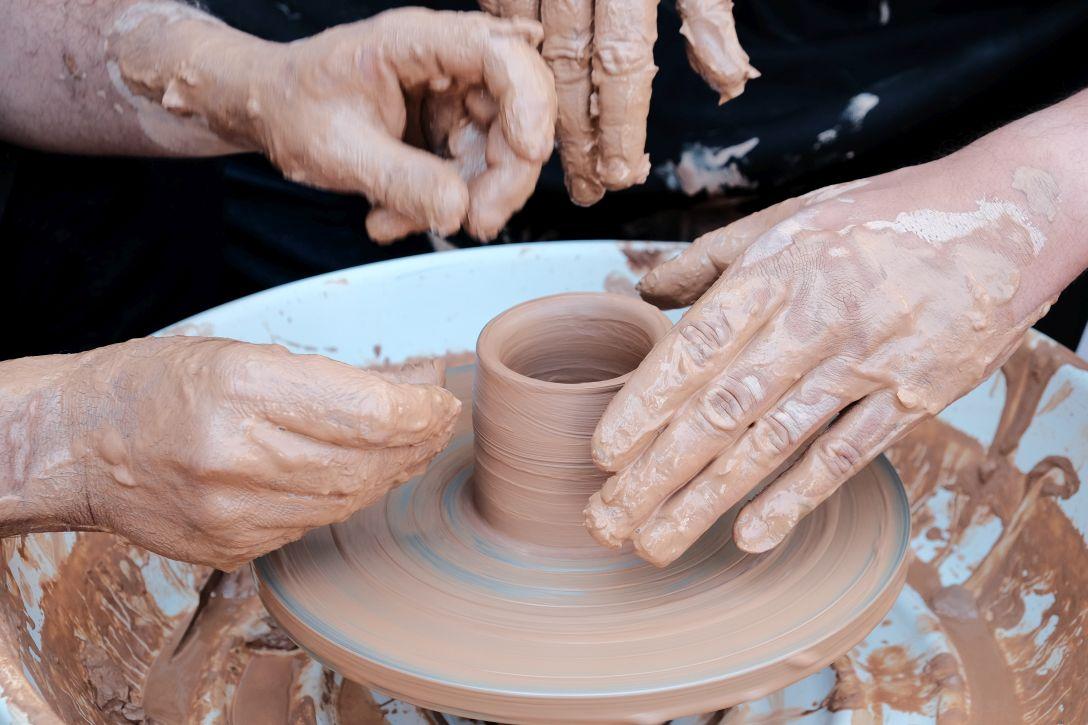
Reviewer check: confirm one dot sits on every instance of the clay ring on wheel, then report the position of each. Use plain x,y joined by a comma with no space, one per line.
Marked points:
473,590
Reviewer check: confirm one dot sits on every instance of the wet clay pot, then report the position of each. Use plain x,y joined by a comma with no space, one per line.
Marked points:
546,370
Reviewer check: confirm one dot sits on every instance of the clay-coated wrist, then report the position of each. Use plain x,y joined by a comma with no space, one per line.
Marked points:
43,486
196,66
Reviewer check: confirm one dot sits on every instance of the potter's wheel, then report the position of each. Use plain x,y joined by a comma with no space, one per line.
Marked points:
420,598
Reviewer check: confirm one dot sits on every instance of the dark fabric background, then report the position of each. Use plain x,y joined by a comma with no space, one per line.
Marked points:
96,250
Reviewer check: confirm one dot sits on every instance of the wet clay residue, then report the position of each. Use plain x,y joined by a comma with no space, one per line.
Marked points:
1016,617
642,258
103,626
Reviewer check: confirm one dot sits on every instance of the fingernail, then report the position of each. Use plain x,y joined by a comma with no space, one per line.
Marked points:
753,534
647,283
613,172
601,455
585,191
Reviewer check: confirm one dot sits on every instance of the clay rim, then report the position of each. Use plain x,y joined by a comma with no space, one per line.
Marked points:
489,356
294,620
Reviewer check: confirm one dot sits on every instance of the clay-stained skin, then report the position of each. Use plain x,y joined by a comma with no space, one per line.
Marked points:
207,450
568,48
331,110
712,45
623,72
601,53
1040,188
828,335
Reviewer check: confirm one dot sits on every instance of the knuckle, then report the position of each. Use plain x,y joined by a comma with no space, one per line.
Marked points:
573,47
205,464
625,57
841,457
220,513
704,338
775,435
725,404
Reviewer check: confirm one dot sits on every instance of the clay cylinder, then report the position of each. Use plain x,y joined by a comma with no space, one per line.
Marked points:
546,370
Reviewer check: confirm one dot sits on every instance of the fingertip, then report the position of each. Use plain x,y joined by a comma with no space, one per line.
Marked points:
531,138
601,449
615,443
584,191
616,173
420,414
386,226
446,406
650,543
753,534
600,521
449,203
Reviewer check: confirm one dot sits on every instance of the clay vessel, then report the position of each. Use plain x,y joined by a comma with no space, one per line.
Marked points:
546,370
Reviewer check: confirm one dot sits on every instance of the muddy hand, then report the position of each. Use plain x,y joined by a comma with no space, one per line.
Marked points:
215,451
332,110
822,329
601,52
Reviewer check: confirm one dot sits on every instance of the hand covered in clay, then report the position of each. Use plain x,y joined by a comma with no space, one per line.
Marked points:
601,52
352,109
822,329
215,451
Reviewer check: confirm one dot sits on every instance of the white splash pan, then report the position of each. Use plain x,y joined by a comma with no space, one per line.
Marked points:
437,303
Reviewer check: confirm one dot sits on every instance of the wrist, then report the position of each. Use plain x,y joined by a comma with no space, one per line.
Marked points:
43,482
195,66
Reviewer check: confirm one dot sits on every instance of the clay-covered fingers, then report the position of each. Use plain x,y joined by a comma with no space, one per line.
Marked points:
693,352
709,422
568,48
385,226
338,404
503,188
713,47
416,189
854,440
303,468
464,124
475,48
623,71
680,281
769,444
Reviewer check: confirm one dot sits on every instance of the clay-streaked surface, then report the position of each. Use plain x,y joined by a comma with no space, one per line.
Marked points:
422,600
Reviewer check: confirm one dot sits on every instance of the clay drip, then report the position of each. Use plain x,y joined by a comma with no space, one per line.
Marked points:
547,370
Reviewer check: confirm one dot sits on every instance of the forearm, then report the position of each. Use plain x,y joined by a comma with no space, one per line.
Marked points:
63,87
42,485
1040,165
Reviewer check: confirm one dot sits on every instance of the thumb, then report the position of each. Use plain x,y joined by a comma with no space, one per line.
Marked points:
419,186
